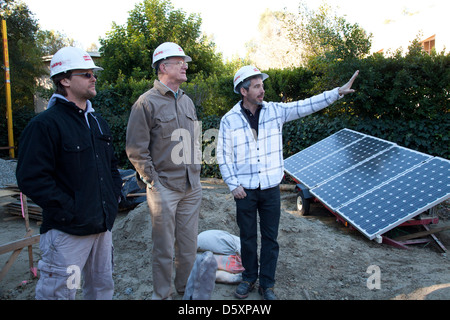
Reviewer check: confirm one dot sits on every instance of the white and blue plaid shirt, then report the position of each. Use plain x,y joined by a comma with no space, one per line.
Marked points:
252,163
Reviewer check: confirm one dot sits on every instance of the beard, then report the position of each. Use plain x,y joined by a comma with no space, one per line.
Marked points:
257,101
91,93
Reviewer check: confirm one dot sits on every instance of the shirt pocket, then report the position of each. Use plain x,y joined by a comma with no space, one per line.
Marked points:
192,124
75,153
76,159
167,123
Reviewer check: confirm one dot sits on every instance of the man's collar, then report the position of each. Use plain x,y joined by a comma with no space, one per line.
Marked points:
56,96
247,110
168,89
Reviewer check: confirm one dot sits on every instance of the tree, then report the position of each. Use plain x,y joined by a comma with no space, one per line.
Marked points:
273,48
51,41
127,50
24,54
25,66
323,34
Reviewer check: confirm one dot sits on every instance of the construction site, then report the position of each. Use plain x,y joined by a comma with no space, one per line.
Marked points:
320,258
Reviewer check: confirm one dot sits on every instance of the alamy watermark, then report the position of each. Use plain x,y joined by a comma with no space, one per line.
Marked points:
74,280
374,281
188,150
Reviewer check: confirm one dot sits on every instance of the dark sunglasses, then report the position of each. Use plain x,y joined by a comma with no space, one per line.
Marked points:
87,75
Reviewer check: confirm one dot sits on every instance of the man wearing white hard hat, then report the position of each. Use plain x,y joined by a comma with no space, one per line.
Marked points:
67,166
163,146
250,157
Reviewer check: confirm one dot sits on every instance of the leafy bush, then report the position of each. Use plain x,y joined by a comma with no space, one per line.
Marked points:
21,117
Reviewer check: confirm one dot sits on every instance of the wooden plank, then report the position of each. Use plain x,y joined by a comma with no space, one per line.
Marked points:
34,211
438,242
17,247
19,244
421,234
9,263
7,193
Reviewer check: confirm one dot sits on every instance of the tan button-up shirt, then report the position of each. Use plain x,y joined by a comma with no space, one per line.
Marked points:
163,138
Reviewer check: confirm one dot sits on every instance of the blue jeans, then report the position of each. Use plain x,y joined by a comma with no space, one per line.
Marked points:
266,203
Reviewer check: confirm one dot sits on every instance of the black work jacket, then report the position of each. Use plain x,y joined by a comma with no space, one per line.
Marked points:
70,170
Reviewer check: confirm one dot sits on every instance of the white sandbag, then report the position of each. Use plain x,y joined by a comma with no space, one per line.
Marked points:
227,277
219,242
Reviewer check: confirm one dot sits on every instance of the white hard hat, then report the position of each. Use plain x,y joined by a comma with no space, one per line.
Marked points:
71,58
245,73
169,49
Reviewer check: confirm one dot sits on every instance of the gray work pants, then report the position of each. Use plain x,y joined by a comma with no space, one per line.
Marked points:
66,258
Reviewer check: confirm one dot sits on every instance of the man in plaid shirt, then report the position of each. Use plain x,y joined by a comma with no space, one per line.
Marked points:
250,157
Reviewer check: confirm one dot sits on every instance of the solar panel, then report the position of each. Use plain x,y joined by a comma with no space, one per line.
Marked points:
401,199
367,175
342,160
373,184
320,150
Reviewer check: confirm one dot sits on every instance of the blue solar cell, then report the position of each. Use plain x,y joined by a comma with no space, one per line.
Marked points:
367,175
400,199
342,160
320,150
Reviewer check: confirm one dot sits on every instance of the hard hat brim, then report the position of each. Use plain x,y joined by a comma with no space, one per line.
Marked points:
93,69
263,75
186,59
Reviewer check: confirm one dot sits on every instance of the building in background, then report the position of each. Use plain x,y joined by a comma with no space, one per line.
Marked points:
427,25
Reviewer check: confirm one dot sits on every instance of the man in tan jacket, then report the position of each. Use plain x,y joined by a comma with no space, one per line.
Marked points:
163,145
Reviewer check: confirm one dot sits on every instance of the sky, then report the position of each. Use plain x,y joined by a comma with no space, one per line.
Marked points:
232,23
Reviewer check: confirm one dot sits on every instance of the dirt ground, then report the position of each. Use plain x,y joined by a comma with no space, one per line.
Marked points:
320,258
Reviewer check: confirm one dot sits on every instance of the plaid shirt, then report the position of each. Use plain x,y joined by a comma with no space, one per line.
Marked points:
252,163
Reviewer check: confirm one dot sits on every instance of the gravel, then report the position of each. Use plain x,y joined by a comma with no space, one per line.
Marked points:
7,172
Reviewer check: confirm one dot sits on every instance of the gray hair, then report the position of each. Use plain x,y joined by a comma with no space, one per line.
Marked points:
246,84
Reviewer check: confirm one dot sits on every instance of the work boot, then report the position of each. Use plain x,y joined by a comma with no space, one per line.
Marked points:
267,294
244,289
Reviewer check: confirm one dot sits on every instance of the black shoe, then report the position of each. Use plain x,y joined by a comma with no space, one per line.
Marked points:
267,294
244,289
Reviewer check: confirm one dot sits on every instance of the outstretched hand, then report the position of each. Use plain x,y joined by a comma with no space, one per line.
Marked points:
347,88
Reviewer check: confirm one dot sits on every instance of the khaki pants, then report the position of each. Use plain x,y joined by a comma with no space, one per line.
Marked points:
65,258
174,231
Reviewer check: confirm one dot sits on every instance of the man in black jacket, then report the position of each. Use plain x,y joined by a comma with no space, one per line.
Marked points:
67,166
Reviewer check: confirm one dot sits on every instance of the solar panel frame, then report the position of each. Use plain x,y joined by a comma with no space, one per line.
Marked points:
345,154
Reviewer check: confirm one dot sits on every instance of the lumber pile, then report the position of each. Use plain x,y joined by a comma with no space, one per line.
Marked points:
14,207
34,211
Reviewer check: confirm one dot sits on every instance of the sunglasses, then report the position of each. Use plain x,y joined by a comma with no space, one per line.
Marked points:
87,75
